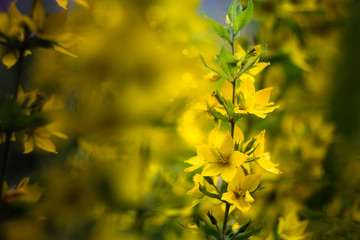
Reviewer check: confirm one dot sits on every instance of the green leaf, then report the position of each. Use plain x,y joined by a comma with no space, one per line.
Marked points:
215,71
227,62
230,107
244,18
219,30
211,195
224,186
250,145
217,114
251,65
14,118
242,236
234,10
210,232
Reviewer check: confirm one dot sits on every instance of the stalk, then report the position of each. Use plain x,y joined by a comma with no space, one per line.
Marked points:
232,126
8,133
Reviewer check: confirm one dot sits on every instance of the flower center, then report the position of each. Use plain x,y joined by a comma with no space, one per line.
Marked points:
224,159
239,193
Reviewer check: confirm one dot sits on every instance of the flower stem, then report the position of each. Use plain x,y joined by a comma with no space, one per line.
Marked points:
227,208
8,132
5,160
232,122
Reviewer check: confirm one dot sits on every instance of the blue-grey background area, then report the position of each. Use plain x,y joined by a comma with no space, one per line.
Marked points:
215,9
25,6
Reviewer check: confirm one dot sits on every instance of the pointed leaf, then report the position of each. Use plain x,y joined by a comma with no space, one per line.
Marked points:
219,30
244,18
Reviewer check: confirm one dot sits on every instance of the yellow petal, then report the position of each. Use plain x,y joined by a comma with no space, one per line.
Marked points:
209,153
211,169
263,96
4,22
240,52
258,68
248,197
13,11
53,128
10,58
247,77
226,90
228,173
242,205
62,3
28,144
194,160
55,22
266,164
64,51
39,14
226,147
238,135
82,3
252,182
212,76
238,158
228,196
45,144
259,144
239,179
24,182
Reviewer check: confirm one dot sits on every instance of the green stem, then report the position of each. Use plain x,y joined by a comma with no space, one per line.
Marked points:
5,160
226,217
18,73
232,122
8,133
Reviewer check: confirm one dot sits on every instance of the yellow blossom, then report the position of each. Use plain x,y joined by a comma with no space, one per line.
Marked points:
263,158
212,76
10,32
23,192
256,68
290,228
239,189
223,159
198,179
252,102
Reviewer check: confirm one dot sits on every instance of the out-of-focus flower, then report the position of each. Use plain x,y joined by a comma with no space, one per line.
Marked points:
239,189
212,76
24,192
11,36
198,179
33,102
256,68
263,158
290,228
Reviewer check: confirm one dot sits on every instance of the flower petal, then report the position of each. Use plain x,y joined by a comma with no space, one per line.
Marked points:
211,169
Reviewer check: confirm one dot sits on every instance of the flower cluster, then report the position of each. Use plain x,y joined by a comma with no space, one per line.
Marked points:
229,162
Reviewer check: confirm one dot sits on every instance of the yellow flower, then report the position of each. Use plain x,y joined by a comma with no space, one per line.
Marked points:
223,159
263,158
198,179
290,228
257,67
212,76
39,136
49,27
197,161
63,3
23,192
252,102
11,34
239,189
